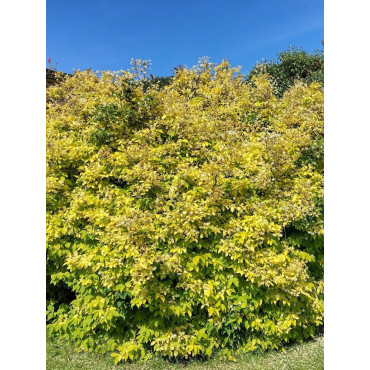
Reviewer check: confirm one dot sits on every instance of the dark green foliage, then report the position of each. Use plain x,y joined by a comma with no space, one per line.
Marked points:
161,82
292,64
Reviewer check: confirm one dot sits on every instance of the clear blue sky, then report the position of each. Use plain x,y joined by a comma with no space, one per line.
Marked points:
106,34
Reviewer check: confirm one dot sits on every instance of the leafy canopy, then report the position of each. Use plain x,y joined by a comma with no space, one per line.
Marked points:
184,220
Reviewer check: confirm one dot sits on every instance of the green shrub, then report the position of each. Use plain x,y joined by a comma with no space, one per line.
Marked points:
293,64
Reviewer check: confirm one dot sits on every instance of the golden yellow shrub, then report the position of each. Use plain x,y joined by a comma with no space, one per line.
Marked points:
185,220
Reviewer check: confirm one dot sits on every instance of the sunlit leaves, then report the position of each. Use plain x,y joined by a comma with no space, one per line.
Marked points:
185,220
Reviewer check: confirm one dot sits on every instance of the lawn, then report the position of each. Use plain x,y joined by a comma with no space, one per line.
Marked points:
306,356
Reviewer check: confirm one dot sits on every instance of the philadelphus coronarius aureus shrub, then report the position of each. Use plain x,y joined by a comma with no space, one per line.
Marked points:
188,220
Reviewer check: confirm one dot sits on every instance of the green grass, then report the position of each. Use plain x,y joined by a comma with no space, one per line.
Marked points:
306,356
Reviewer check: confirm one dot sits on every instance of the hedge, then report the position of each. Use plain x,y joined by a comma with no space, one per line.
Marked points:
185,220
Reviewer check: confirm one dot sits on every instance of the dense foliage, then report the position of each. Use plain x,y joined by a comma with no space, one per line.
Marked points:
291,65
186,220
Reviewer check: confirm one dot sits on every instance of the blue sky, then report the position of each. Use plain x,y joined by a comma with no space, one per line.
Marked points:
106,34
